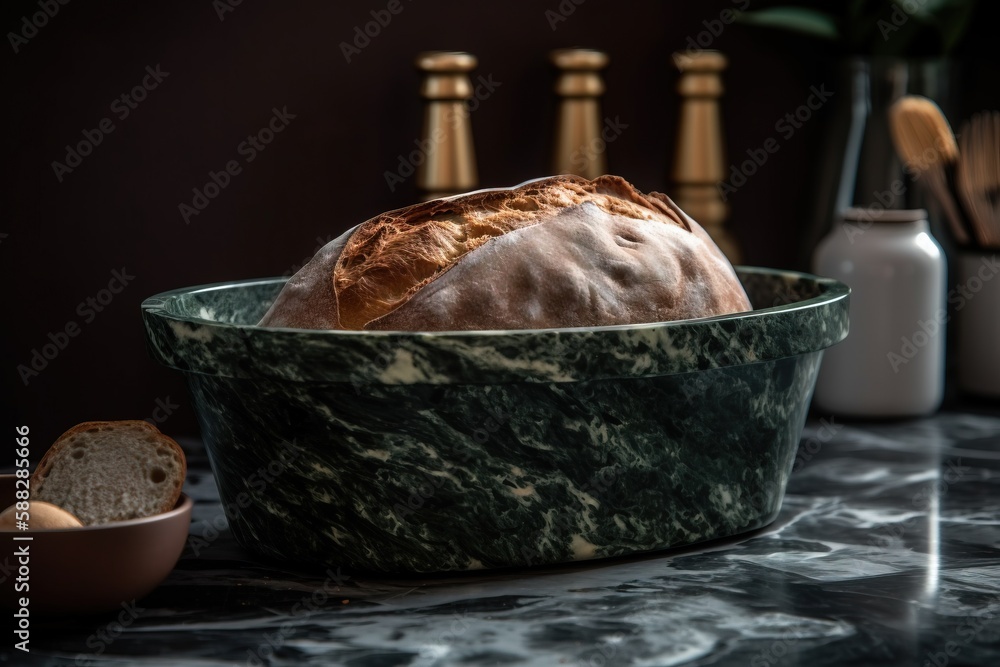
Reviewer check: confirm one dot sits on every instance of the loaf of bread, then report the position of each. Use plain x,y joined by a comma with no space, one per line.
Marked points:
563,251
41,516
111,471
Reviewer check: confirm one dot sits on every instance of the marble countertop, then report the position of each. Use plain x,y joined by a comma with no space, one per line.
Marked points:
886,551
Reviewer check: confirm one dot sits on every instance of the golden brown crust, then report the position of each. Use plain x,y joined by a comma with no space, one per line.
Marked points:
397,270
583,268
395,254
45,464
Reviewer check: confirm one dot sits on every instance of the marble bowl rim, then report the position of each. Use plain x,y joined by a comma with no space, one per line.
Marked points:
833,291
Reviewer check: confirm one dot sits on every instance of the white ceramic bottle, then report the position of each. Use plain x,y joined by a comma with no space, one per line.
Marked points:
892,362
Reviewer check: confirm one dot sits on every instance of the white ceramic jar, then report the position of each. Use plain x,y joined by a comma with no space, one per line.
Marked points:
892,362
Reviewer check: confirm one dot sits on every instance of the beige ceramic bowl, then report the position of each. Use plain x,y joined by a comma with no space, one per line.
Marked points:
91,569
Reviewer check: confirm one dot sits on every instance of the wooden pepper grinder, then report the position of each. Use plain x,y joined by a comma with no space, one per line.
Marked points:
449,166
579,148
699,164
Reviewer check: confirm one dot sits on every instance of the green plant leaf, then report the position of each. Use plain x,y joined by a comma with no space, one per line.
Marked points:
796,19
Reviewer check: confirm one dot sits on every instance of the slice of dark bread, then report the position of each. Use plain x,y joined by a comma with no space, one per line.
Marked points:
111,471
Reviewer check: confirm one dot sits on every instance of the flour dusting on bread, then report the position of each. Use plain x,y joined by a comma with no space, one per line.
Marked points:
387,272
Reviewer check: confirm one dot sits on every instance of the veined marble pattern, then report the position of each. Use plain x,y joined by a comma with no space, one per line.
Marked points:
886,552
425,452
463,477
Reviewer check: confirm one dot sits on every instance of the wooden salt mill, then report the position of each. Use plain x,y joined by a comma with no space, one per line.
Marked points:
699,164
579,148
449,165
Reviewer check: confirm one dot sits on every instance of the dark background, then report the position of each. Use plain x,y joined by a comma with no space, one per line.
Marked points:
325,172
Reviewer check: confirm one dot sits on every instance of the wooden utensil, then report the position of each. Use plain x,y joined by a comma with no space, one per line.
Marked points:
926,144
979,176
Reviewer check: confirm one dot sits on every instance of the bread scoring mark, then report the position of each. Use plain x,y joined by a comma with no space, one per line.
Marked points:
392,256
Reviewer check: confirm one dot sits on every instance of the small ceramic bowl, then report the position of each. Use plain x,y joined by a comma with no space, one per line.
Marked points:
93,568
430,451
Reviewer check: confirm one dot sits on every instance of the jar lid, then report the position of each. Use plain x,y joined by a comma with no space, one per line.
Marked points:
883,215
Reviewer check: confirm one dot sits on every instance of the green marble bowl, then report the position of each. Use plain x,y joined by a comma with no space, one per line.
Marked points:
433,451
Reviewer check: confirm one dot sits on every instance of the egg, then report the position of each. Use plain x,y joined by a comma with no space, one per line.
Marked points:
41,515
